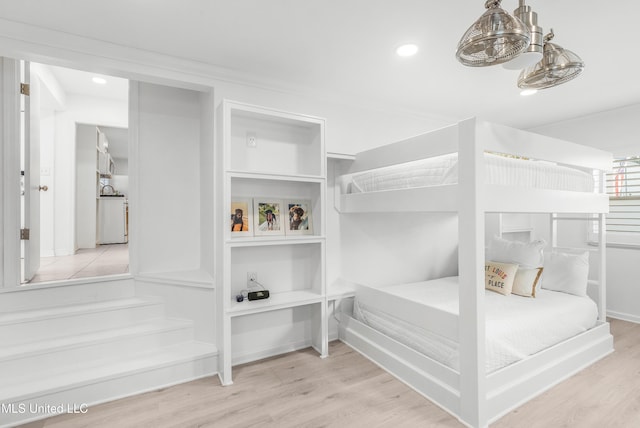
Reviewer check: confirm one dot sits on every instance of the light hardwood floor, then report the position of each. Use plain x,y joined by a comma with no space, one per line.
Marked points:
346,390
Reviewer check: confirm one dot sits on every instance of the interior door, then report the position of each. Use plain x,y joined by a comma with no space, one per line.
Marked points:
30,137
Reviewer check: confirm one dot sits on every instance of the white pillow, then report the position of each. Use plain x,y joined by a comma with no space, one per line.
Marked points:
525,282
526,255
499,277
566,272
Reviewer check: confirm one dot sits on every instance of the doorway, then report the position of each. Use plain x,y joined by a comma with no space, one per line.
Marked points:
80,121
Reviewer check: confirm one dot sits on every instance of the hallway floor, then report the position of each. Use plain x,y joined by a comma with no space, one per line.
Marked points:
87,262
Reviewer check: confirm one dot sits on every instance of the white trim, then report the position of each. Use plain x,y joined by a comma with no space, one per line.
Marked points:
616,245
134,174
623,316
180,279
66,283
10,216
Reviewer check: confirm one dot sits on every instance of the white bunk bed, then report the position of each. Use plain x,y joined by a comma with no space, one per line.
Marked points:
475,396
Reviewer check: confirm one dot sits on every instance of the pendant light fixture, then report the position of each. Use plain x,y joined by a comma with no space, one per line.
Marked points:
496,37
533,53
558,66
516,42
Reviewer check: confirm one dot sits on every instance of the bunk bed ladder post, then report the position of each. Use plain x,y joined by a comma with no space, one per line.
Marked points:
553,230
471,224
602,254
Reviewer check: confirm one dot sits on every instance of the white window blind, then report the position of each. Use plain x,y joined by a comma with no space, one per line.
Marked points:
623,187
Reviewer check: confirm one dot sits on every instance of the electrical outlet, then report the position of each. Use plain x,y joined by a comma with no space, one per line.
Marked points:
251,277
252,140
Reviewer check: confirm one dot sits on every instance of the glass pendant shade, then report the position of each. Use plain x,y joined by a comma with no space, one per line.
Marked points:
558,66
495,38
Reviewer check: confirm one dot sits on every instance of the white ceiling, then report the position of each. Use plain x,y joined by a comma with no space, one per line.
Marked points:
76,82
81,83
345,49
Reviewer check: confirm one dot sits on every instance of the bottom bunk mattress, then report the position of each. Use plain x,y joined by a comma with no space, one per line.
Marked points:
423,316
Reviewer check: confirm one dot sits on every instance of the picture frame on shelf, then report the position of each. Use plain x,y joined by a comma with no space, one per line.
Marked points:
241,219
267,216
298,217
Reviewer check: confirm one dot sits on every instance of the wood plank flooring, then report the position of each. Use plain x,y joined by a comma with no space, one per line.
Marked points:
346,390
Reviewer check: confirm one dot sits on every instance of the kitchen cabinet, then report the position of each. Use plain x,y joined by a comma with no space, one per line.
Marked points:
112,220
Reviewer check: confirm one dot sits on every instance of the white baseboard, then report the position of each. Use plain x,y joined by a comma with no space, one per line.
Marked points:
623,316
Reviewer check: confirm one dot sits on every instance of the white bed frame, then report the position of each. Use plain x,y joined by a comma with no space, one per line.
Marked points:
473,396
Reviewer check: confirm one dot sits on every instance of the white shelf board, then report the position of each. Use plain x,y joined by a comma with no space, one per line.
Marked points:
343,156
341,289
280,240
517,229
271,176
274,302
240,109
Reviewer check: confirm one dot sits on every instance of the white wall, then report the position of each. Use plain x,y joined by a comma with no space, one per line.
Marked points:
395,248
85,205
167,204
617,131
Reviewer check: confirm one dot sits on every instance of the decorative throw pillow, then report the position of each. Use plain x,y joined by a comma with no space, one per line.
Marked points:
499,277
524,254
525,282
566,272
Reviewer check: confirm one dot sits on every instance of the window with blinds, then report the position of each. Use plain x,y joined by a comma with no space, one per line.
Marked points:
623,187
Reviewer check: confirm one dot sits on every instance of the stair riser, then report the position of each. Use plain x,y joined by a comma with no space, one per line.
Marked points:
48,328
111,389
93,352
36,297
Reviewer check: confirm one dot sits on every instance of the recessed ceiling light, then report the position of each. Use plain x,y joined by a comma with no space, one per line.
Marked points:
407,50
99,80
527,92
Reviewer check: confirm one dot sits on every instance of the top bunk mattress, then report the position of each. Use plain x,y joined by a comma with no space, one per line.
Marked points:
499,169
516,326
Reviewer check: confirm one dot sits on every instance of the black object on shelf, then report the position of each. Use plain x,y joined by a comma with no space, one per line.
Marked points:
258,295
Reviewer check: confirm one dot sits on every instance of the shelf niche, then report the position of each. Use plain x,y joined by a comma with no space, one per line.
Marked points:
275,145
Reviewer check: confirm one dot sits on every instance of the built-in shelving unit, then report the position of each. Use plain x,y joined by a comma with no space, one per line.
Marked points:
270,161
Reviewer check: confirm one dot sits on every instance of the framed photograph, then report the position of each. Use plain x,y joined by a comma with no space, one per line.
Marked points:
267,216
241,218
298,213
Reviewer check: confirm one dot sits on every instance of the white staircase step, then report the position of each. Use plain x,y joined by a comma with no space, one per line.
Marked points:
34,296
39,324
69,347
41,357
91,383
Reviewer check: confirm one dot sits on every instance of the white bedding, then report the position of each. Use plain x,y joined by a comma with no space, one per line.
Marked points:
443,169
515,326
